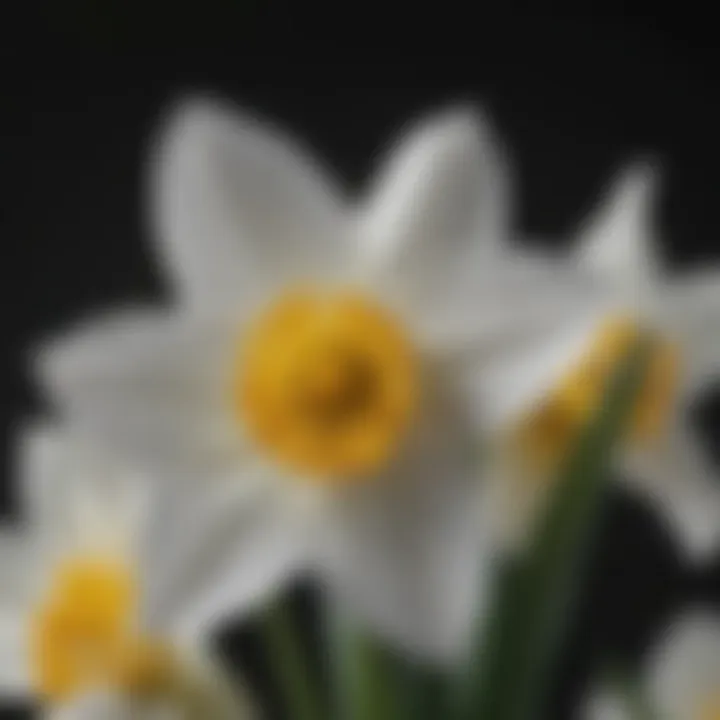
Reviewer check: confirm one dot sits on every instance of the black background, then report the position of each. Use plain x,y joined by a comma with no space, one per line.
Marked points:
574,98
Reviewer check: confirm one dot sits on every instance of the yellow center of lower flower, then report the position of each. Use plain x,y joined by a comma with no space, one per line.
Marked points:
326,383
548,432
83,633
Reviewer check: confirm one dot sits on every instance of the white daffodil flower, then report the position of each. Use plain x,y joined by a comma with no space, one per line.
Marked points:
615,254
319,393
73,628
681,680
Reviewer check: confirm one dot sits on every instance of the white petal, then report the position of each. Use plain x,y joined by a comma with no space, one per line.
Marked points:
14,660
106,704
437,211
531,322
43,488
17,570
406,552
605,705
218,548
17,565
97,705
517,299
511,374
617,241
682,484
238,206
685,668
690,308
150,387
75,499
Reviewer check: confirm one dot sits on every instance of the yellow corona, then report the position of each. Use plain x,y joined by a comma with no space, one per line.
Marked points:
326,383
83,632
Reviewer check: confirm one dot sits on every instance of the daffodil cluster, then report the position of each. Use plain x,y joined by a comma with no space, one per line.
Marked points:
374,393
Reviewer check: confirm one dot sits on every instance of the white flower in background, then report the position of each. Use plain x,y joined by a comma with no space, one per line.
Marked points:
72,622
681,680
615,254
319,393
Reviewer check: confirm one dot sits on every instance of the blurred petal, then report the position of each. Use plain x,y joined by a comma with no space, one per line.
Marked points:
74,498
516,301
52,495
606,705
14,661
18,566
100,705
617,242
681,481
511,374
150,387
238,206
217,549
438,208
406,552
47,496
531,321
685,669
690,308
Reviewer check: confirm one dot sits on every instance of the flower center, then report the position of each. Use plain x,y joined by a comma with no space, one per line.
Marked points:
82,633
547,433
326,383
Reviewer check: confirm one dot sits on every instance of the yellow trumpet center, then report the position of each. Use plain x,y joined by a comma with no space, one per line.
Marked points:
326,383
547,433
82,633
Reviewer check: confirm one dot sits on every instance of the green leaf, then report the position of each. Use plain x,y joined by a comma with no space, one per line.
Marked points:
517,649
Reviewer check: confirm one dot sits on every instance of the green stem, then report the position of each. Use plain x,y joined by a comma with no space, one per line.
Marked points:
430,694
370,684
297,685
535,595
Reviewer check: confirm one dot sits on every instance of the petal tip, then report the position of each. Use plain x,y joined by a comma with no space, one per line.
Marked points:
462,123
639,180
187,118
